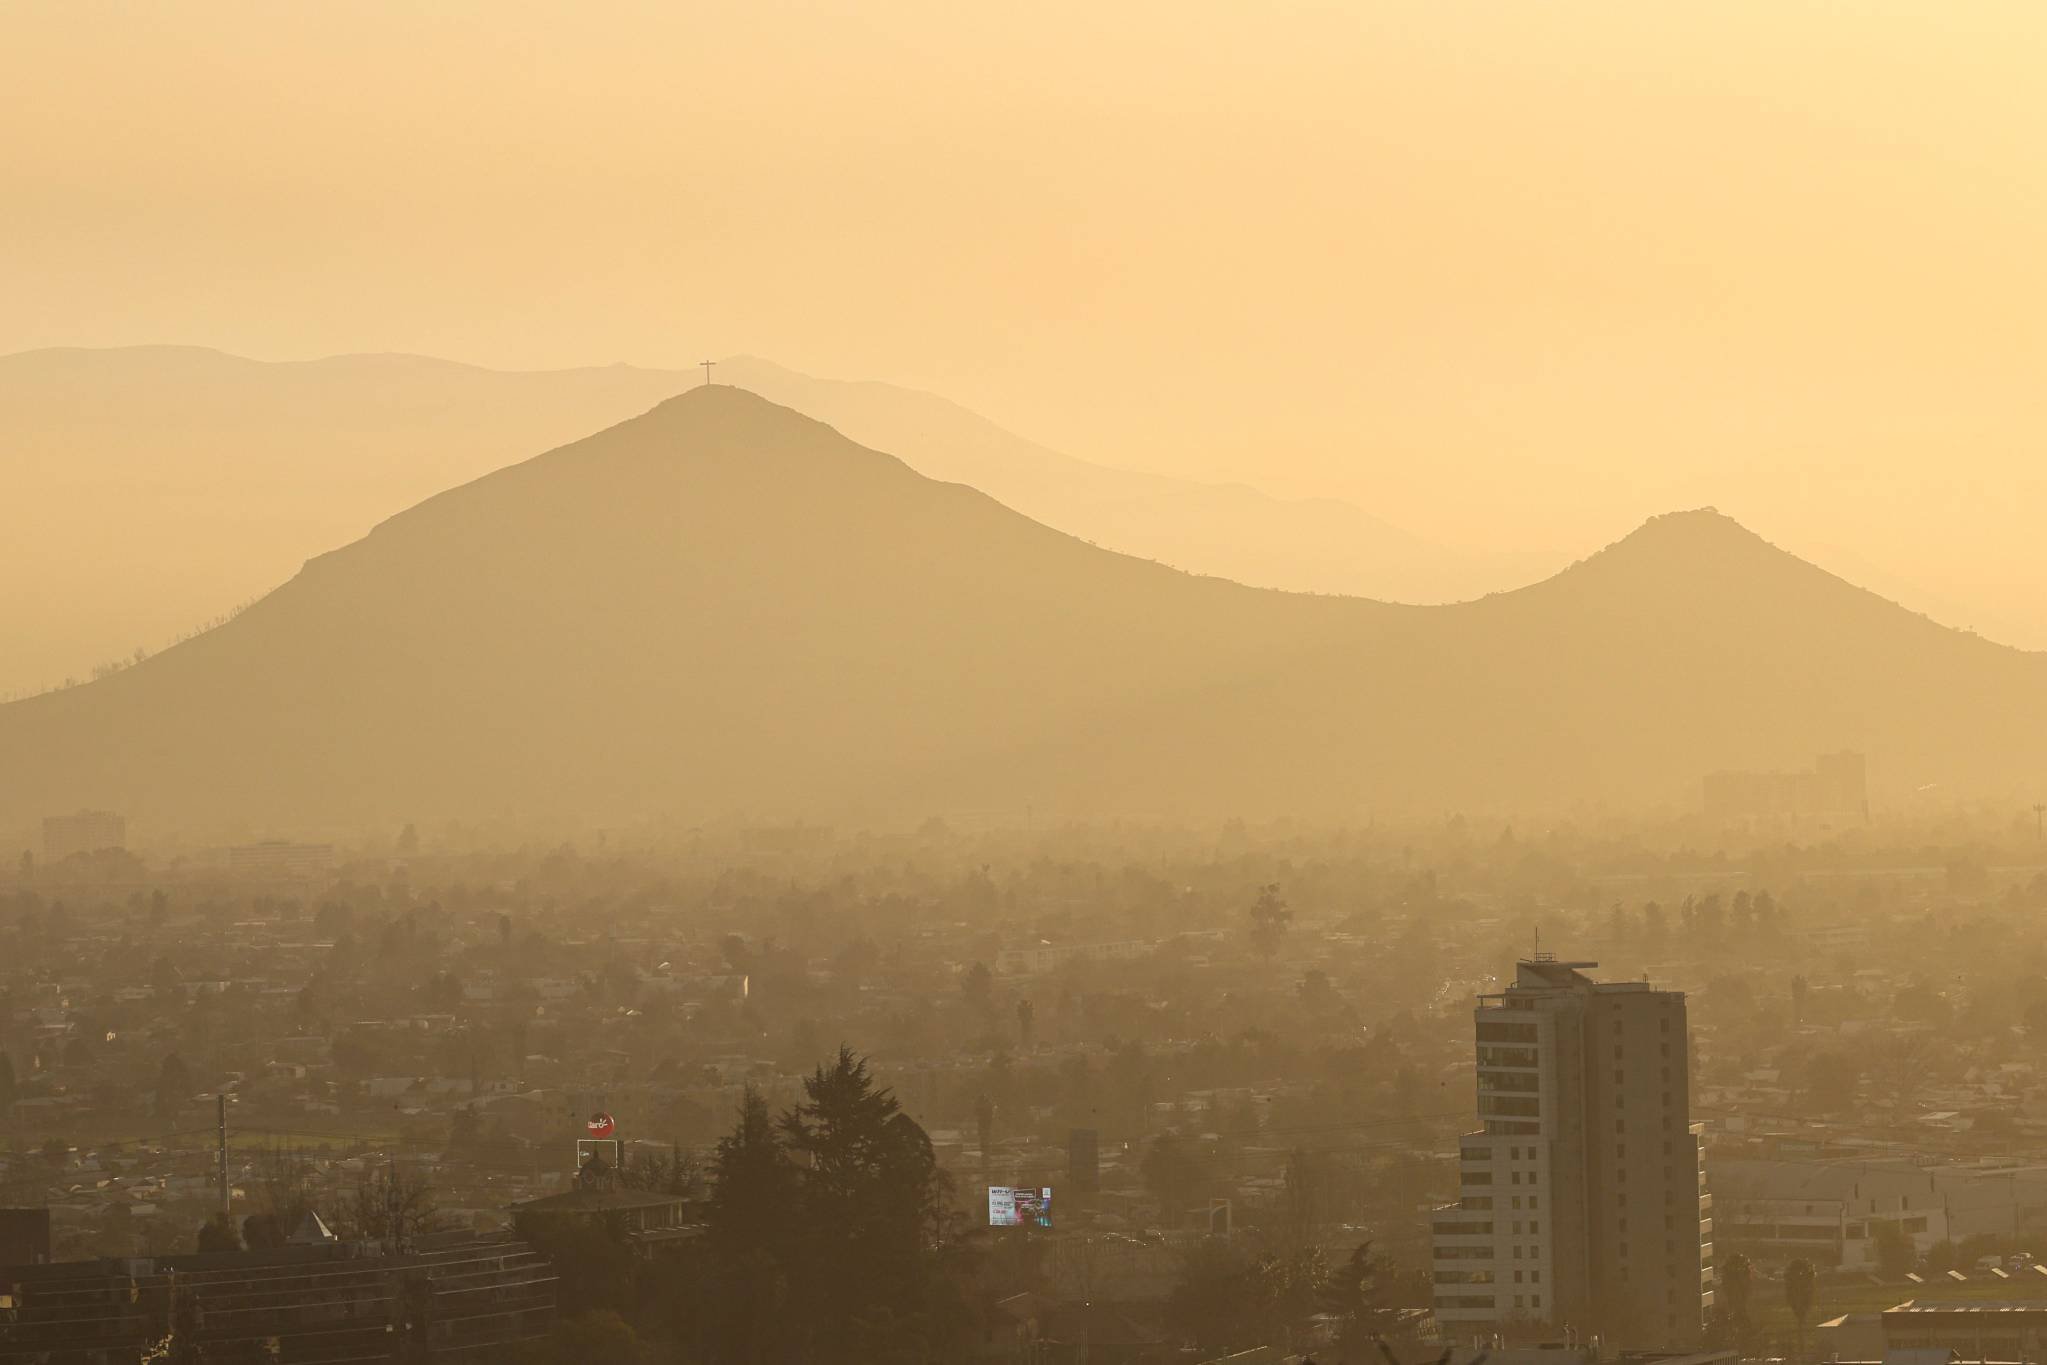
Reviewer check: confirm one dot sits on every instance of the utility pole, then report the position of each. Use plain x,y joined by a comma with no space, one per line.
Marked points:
226,1194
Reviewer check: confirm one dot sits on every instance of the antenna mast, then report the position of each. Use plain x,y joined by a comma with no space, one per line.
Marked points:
226,1194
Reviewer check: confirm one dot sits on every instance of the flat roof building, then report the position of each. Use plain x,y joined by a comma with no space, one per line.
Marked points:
85,831
280,860
450,1298
1975,1330
1582,1203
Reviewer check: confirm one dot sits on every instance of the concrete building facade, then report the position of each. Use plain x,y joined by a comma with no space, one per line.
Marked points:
1582,1203
85,831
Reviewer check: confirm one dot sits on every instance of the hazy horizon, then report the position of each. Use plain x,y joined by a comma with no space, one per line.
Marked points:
1506,280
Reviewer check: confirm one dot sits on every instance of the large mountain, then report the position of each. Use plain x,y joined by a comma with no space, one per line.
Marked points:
722,606
170,483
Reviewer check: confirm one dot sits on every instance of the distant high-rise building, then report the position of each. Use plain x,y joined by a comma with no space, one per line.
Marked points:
1836,785
279,860
87,831
1582,1202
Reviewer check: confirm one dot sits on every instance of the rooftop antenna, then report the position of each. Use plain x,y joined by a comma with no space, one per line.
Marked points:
707,364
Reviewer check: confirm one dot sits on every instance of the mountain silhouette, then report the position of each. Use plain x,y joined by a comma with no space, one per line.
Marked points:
723,607
172,482
1226,529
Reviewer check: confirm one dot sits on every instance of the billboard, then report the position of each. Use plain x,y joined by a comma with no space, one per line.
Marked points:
1013,1207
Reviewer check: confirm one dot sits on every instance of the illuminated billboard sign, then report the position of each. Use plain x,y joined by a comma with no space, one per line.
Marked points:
1011,1207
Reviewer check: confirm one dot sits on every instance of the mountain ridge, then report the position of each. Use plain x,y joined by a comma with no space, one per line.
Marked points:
199,478
724,605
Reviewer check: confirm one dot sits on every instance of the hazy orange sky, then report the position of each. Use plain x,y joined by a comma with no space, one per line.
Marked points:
1501,272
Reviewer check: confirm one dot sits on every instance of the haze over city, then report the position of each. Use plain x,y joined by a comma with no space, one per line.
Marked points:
927,683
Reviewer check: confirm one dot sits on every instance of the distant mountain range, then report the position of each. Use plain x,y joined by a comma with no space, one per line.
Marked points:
722,607
1229,530
171,483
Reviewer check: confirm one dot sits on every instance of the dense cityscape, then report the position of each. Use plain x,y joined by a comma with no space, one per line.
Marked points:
1237,1060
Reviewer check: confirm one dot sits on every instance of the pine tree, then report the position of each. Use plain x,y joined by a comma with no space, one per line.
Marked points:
752,1218
872,1202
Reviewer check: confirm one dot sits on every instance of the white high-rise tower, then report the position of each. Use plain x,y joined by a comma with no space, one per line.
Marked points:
1582,1202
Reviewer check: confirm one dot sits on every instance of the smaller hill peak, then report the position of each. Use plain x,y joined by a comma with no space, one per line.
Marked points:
1679,548
1691,521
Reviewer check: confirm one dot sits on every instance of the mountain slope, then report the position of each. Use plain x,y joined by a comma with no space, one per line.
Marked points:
1236,532
173,482
723,606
